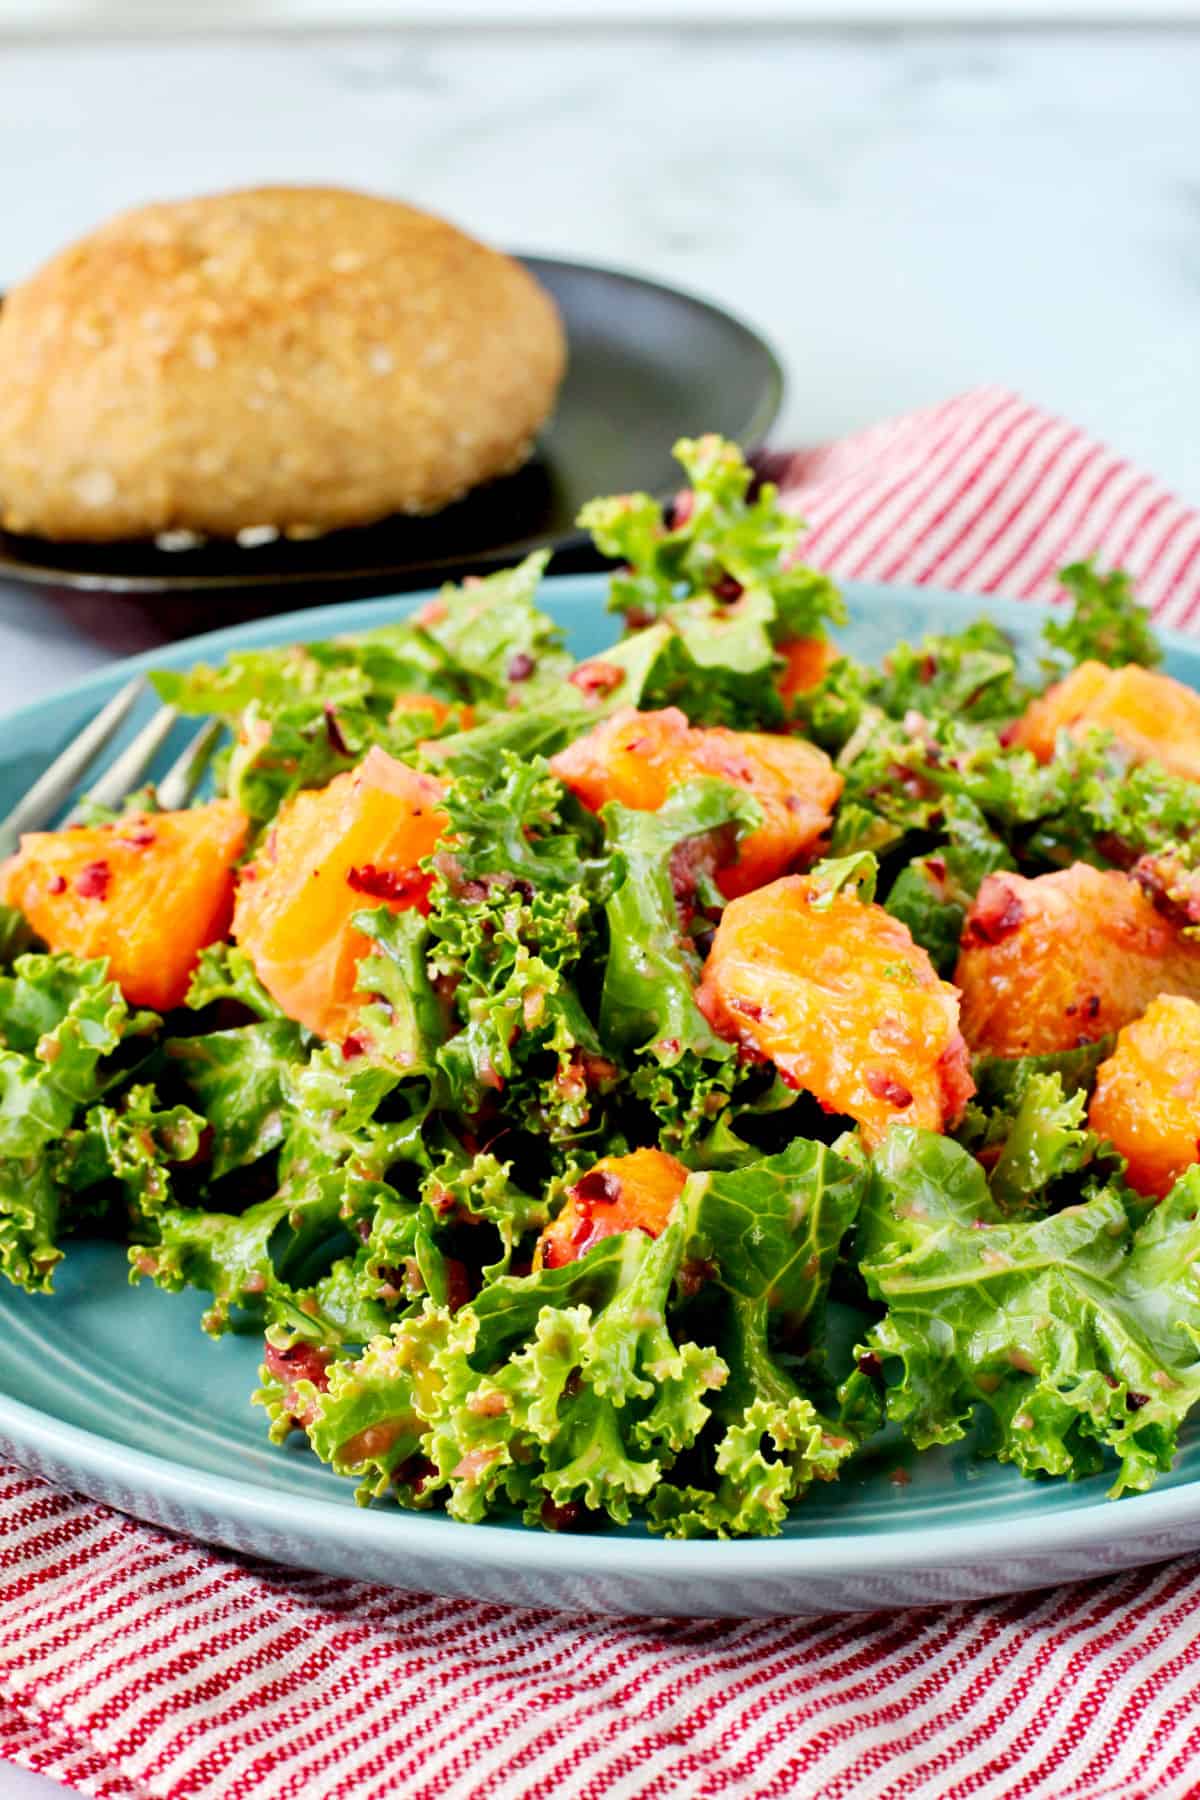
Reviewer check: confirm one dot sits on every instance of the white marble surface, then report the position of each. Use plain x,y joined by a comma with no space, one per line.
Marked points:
904,215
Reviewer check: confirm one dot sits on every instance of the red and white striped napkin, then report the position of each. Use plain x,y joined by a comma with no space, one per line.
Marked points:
134,1664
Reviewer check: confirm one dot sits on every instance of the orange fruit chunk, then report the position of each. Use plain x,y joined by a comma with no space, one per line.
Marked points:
1153,717
843,1002
440,711
333,851
619,1193
1060,960
149,892
806,663
637,758
1147,1095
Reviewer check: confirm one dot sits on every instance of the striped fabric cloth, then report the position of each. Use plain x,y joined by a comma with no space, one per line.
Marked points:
134,1664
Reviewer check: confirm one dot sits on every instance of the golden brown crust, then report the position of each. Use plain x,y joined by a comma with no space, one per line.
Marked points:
304,358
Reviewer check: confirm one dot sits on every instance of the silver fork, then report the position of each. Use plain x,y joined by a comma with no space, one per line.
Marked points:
45,800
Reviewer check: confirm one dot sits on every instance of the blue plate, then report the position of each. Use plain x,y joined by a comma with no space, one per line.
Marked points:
115,1391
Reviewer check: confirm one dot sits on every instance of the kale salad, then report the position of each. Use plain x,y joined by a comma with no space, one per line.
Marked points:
537,1054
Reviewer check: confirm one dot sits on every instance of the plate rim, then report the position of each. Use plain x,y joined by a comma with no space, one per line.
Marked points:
426,1538
250,581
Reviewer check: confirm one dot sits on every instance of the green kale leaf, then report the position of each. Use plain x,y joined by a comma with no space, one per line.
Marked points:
1074,1334
223,972
237,1080
1046,1139
770,1233
648,1010
66,1031
513,909
1106,622
721,544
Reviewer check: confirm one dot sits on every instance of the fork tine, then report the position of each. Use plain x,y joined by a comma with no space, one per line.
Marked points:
52,788
186,772
134,761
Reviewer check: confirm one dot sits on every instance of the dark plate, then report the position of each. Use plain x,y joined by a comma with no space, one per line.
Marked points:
647,365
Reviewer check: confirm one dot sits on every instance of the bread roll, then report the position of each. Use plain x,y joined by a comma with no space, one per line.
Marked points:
298,358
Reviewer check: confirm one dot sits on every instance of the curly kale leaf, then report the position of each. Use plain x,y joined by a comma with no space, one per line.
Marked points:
304,714
970,675
366,1416
772,1230
549,1391
770,1233
1106,622
370,670
722,544
719,669
16,934
1001,1081
366,1104
308,1256
277,751
479,1191
237,1079
505,650
1085,804
336,1252
598,1392
524,735
854,875
719,589
30,1222
138,1143
931,894
271,679
409,1254
1074,1334
648,1010
224,972
397,1264
66,1018
402,1023
579,1387
1046,1139
355,1114
973,676
774,1444
67,1033
1101,810
1026,1124
63,1024
255,1264
512,911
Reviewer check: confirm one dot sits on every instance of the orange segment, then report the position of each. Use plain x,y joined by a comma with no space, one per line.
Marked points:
440,711
844,1004
620,1193
1147,1096
1060,960
1154,718
638,757
332,852
149,892
806,663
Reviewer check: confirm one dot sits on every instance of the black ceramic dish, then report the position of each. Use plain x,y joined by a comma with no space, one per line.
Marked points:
647,365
